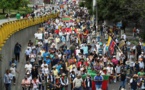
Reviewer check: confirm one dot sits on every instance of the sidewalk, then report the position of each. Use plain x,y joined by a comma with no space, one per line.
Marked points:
6,20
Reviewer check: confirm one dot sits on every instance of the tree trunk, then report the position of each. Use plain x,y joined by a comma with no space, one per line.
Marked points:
3,11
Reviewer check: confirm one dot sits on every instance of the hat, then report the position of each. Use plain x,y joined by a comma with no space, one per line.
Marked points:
135,75
63,74
57,77
54,66
114,56
13,64
104,68
127,62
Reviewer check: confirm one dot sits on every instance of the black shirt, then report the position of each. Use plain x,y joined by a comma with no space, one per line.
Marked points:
123,77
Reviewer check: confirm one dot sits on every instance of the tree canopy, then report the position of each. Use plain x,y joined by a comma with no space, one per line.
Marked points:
12,4
118,10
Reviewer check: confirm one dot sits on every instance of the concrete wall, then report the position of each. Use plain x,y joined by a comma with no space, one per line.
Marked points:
22,37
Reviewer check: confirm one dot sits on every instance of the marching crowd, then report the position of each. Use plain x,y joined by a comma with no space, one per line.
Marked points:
68,47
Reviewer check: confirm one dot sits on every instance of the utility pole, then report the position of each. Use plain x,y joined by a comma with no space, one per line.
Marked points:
94,4
96,14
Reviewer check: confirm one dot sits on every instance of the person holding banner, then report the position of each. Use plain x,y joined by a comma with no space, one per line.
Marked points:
98,81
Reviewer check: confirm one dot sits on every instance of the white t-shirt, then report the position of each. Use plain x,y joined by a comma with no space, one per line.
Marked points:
13,71
42,66
28,67
77,51
109,70
77,82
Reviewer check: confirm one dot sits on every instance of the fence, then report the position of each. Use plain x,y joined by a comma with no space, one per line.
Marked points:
9,28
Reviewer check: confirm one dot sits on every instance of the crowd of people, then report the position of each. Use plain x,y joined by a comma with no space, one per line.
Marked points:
67,48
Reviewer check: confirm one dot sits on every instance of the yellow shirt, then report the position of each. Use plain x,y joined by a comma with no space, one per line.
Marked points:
55,72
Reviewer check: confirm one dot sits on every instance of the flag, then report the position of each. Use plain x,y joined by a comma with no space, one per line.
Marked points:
66,19
109,41
112,47
111,44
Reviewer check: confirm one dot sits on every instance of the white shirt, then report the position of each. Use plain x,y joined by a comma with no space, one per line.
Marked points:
118,69
45,71
42,66
109,70
77,52
141,64
35,84
28,67
77,82
13,71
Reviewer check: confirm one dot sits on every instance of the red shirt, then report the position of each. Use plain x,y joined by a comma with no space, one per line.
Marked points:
57,31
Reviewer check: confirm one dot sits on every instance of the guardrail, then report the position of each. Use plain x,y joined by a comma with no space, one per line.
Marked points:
9,28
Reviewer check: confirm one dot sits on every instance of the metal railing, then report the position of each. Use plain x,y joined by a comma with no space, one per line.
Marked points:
9,28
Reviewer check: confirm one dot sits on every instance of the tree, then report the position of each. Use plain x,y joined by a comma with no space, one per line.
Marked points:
12,4
119,10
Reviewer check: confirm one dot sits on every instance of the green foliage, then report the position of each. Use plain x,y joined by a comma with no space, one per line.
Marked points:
81,4
13,4
119,10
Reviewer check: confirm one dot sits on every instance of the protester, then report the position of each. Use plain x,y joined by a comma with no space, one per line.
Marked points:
17,50
7,80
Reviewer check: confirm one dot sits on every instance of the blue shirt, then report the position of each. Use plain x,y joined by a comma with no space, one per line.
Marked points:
98,78
45,55
48,61
8,78
85,50
58,68
27,52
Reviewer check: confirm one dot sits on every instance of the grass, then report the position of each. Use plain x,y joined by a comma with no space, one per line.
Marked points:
21,10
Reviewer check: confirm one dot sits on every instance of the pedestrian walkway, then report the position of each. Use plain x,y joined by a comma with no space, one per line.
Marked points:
6,20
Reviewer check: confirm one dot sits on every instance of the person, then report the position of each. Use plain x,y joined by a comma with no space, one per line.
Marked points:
13,72
72,77
64,81
88,83
133,82
17,50
41,78
77,83
7,80
13,62
123,80
28,66
34,72
25,83
98,81
35,83
51,78
57,83
8,16
18,16
27,53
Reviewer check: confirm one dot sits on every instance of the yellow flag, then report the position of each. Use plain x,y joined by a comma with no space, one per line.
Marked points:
109,41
